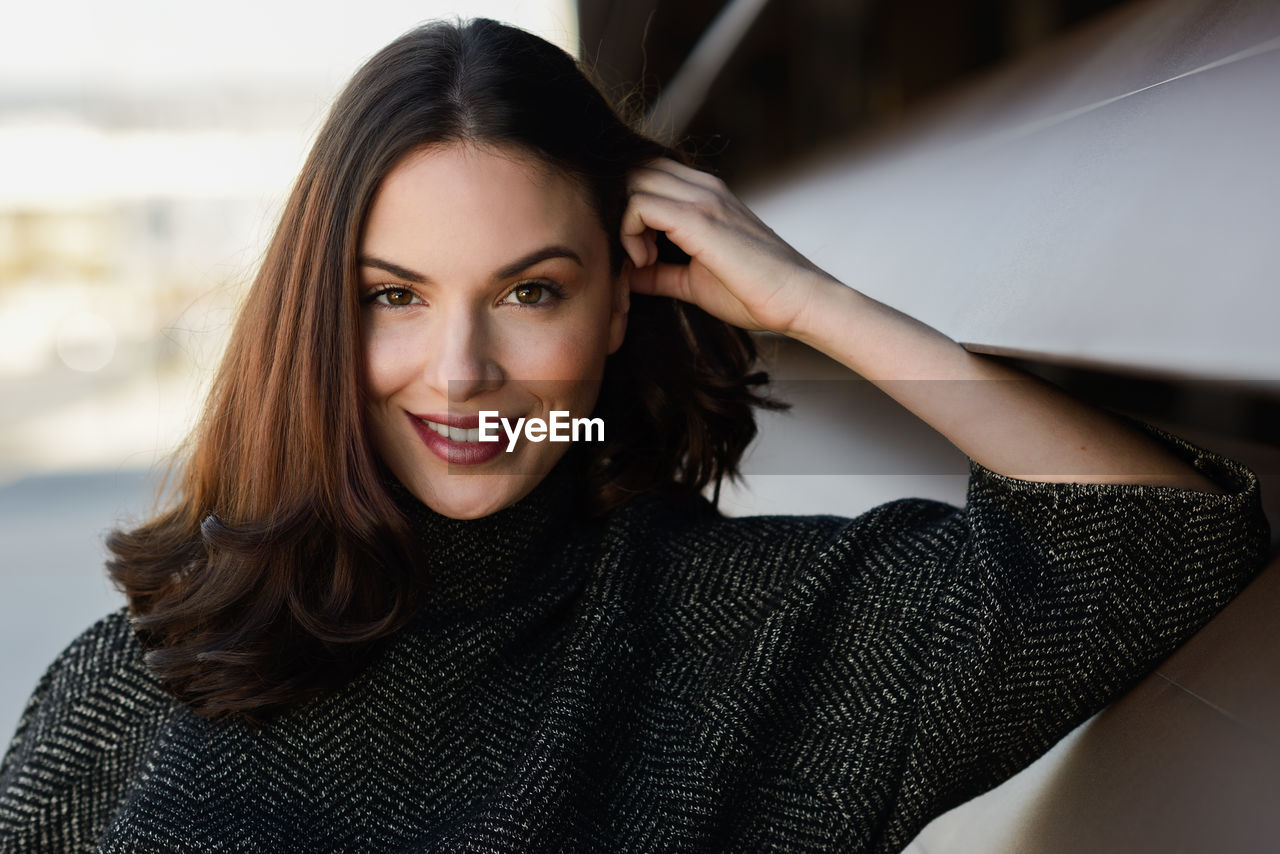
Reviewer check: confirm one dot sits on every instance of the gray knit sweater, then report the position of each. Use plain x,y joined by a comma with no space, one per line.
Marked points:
667,680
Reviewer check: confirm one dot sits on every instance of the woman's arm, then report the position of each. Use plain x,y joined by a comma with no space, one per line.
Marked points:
1004,419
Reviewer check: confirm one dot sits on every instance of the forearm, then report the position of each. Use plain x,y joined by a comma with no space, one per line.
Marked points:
1003,418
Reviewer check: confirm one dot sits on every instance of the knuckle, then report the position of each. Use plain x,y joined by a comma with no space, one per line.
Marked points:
716,183
710,206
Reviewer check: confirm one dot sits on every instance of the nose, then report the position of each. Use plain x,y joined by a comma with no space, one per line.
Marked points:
461,365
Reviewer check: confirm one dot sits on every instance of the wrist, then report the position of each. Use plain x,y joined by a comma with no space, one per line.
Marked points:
818,321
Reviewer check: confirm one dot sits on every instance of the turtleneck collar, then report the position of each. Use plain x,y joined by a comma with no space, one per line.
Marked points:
473,562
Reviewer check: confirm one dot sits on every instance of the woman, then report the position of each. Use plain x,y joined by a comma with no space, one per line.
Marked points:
361,628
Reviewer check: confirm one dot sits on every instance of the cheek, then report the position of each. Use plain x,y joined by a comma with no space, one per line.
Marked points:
565,368
589,340
575,352
388,365
567,345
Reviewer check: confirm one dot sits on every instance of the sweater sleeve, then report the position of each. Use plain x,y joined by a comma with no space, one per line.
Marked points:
79,743
894,665
1058,598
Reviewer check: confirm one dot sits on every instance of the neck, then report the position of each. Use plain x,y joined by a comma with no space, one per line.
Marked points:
473,562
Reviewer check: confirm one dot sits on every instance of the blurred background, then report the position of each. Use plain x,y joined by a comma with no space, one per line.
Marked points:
1082,187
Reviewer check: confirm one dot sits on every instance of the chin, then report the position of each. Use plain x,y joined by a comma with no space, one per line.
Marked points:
475,496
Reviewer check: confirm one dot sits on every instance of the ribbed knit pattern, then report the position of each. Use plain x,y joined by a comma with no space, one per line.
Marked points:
665,680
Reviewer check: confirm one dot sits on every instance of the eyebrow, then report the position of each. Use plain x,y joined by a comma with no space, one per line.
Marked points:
522,263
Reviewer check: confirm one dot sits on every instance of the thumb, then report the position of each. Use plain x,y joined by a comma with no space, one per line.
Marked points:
663,280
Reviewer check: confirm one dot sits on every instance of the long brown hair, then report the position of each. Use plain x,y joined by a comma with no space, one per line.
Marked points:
283,561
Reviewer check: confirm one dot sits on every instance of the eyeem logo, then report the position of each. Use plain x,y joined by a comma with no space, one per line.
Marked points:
561,428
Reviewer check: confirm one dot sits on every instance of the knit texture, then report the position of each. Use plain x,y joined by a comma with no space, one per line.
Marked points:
664,680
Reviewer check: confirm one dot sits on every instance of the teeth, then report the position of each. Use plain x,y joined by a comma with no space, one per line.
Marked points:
454,434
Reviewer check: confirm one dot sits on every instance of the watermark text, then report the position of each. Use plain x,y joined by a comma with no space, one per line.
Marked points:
559,428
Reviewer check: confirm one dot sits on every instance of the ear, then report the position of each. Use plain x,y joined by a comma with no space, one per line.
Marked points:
621,305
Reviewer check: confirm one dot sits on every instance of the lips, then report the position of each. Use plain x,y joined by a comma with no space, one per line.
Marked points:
455,434
455,438
450,419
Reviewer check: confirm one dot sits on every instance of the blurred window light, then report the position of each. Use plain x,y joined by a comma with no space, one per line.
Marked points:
86,342
158,45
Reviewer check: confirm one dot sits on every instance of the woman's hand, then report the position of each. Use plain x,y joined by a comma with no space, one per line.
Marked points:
739,270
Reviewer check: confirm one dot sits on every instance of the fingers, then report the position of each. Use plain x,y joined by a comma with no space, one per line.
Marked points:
673,198
683,202
738,268
687,185
645,215
642,249
665,280
686,173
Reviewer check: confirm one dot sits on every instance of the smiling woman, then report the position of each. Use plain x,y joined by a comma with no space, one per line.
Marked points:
455,232
360,628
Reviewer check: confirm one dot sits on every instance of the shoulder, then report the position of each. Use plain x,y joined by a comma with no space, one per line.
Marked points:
690,547
729,613
81,741
107,648
101,675
695,525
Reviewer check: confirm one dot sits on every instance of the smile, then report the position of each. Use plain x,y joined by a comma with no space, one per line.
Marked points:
455,434
454,438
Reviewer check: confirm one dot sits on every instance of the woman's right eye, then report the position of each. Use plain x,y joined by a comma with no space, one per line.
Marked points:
393,297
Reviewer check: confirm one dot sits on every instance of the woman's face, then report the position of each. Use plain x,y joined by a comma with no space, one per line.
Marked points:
485,286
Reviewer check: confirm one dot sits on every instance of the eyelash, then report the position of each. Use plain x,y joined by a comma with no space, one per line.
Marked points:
555,290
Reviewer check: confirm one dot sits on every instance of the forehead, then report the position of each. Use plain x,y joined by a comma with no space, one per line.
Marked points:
461,204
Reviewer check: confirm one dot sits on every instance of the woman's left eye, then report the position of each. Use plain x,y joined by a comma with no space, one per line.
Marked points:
392,297
532,294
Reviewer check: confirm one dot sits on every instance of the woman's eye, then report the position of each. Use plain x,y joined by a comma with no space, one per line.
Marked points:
394,297
530,293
